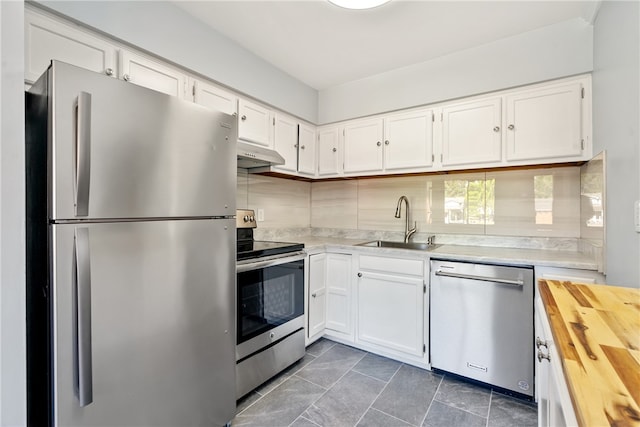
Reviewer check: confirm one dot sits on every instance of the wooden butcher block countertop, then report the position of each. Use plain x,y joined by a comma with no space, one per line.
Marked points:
596,329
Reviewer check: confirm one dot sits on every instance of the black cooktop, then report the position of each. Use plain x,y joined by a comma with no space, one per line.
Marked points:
248,249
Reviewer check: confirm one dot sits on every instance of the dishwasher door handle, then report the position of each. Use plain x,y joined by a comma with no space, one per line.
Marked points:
518,282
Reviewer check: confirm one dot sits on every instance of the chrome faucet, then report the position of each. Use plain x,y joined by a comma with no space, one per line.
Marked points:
407,233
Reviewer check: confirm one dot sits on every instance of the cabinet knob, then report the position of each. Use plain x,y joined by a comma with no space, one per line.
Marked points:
313,295
496,129
109,71
126,77
302,147
243,118
386,142
541,356
359,274
378,143
334,149
511,127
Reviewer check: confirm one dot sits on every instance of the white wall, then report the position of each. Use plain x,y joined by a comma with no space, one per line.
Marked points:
551,52
12,245
178,37
616,117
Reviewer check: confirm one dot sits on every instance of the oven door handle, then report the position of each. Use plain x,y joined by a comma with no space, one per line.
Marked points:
256,265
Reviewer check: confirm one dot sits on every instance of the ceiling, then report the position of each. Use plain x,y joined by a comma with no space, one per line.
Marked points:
324,45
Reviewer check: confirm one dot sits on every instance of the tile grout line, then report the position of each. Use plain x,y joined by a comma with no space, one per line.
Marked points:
432,399
381,391
489,411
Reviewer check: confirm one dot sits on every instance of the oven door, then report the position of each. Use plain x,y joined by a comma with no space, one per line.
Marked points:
270,301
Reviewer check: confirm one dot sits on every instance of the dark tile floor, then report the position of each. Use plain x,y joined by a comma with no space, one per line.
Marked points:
337,385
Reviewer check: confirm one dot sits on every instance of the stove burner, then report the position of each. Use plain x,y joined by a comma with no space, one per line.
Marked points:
247,248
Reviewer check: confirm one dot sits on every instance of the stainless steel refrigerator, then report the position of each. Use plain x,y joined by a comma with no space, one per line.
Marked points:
130,255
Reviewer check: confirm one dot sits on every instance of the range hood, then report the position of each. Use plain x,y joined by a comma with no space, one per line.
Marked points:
251,156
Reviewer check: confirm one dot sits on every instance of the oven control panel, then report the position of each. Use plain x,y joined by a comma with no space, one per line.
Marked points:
245,218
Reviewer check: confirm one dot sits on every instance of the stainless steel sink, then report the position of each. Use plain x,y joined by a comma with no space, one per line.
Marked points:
399,245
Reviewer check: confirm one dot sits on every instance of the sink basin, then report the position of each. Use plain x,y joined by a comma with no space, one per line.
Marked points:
399,245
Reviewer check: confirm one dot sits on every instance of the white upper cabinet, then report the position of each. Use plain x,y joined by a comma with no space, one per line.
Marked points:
152,74
306,149
213,97
363,146
545,123
329,151
471,133
46,39
286,141
254,123
408,140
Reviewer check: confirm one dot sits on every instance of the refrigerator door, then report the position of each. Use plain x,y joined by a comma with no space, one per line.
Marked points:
143,325
118,150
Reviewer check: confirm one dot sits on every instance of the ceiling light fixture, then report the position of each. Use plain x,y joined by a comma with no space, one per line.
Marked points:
359,4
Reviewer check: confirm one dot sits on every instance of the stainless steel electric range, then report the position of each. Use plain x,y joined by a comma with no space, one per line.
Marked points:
269,307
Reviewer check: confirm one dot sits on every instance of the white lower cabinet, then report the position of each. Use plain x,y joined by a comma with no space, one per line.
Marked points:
316,297
554,402
391,307
338,287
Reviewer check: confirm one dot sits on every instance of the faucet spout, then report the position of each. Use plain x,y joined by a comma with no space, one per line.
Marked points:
407,232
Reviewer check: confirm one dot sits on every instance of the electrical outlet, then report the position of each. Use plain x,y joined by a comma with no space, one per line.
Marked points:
636,217
260,215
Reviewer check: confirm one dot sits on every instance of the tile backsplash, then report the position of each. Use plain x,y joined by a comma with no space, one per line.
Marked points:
532,203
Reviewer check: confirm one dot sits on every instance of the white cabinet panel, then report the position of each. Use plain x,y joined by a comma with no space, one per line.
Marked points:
363,146
213,97
151,74
471,133
545,123
254,124
316,310
329,151
391,312
306,149
286,141
47,39
408,140
339,293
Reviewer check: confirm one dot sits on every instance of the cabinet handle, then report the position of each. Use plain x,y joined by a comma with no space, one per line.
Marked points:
126,77
541,356
496,129
540,343
109,71
511,127
302,147
243,118
313,295
359,274
386,142
334,149
378,143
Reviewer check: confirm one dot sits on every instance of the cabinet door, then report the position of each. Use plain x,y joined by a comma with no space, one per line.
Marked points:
391,312
213,97
339,293
316,311
471,133
306,149
151,74
408,140
286,141
329,151
545,123
254,124
46,39
363,146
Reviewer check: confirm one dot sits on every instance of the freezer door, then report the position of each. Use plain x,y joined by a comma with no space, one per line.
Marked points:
143,326
119,150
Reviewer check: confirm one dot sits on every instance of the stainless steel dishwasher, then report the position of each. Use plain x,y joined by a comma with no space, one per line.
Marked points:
481,319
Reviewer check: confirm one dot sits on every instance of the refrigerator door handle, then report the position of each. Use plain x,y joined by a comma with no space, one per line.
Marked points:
83,153
82,318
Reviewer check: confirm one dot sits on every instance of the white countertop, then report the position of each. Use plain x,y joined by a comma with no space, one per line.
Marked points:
502,255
